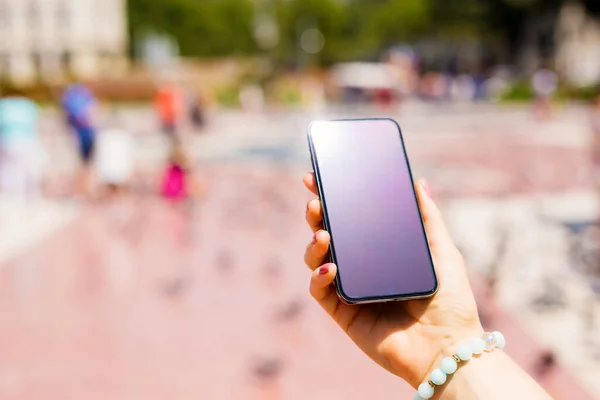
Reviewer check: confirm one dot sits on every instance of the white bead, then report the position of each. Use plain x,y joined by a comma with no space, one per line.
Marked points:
438,377
417,396
426,391
464,352
478,346
490,341
448,365
500,341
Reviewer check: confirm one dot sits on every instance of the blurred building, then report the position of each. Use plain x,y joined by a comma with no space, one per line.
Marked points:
54,39
578,46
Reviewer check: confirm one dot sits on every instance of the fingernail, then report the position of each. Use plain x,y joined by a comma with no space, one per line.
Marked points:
323,270
426,188
314,238
306,212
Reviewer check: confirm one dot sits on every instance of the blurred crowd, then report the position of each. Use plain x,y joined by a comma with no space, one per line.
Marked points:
401,76
106,151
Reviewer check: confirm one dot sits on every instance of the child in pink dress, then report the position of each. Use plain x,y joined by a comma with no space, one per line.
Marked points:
175,183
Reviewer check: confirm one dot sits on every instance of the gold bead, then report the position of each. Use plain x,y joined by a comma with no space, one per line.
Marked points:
458,360
431,384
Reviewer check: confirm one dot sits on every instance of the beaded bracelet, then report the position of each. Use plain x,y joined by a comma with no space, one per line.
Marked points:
488,342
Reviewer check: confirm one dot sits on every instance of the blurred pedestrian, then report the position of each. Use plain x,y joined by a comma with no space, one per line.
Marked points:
179,185
79,103
544,83
114,161
384,97
175,185
463,88
196,112
20,150
403,64
435,86
169,104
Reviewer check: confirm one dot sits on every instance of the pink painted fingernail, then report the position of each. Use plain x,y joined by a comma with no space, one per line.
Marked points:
426,188
324,270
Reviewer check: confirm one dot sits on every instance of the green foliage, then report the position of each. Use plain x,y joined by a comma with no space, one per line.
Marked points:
353,29
586,93
520,3
291,97
201,27
386,23
287,93
519,91
227,96
522,91
359,28
452,20
295,16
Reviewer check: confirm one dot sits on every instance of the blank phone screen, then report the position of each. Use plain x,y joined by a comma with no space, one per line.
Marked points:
371,211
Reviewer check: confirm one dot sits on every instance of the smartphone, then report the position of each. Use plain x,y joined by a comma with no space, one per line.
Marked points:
370,209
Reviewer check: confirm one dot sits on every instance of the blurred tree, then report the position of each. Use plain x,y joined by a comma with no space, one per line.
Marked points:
520,32
385,23
527,29
294,17
201,27
352,29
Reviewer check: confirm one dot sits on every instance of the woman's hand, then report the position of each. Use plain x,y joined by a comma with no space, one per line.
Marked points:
407,338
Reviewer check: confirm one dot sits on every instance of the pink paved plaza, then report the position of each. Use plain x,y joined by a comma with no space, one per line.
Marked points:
131,302
139,300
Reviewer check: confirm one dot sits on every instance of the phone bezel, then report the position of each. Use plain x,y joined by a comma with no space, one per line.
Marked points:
332,255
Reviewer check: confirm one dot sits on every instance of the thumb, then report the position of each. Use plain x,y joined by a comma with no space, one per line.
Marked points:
437,234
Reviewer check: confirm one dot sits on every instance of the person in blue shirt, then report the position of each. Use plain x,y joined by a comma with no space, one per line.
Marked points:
78,104
20,151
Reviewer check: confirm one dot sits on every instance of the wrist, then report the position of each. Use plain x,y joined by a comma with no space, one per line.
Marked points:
460,384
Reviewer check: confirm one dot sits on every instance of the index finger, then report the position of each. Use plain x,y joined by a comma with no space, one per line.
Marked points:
310,182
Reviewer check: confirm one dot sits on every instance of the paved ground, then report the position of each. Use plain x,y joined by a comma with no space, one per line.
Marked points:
526,244
137,301
25,223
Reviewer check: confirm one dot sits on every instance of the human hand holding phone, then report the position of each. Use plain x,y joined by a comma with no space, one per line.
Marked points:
406,338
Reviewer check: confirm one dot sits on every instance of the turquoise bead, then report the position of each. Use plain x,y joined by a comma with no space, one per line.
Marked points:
478,346
426,391
417,396
490,341
464,352
500,341
438,377
448,366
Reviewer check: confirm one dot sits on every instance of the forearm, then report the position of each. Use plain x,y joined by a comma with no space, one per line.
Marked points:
491,376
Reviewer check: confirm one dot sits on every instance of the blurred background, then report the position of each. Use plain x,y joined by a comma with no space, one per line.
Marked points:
151,206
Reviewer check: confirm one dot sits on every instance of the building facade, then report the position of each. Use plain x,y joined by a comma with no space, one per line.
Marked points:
55,39
578,46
